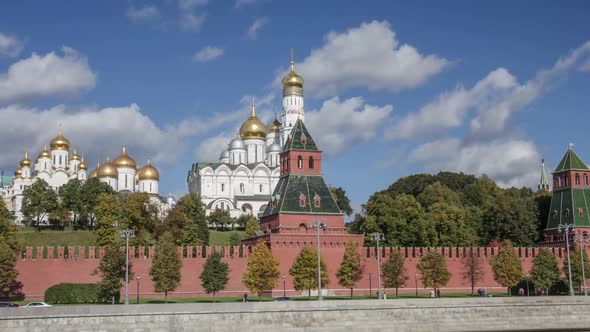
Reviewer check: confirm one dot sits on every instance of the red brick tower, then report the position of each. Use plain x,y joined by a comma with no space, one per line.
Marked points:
300,198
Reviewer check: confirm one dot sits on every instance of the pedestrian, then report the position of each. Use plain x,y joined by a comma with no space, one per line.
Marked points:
432,293
245,298
438,293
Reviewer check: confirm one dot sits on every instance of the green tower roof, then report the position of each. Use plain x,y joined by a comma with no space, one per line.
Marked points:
300,139
571,161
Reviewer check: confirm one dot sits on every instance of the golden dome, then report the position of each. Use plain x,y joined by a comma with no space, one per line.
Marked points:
26,162
75,156
82,166
107,170
44,154
18,172
274,126
123,160
94,171
59,142
253,127
292,79
148,172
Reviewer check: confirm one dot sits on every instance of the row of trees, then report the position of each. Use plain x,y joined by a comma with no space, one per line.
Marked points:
10,287
453,209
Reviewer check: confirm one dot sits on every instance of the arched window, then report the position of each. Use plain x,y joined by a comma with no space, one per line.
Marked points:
222,205
311,162
302,200
316,201
299,162
222,187
586,179
242,188
577,178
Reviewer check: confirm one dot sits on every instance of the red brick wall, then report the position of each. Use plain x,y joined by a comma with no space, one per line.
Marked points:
39,271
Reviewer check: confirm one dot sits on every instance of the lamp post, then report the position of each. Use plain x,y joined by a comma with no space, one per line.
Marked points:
416,280
527,276
127,233
377,237
138,278
567,228
318,225
370,285
284,289
583,239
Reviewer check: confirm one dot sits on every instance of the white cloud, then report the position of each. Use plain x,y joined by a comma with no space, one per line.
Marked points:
191,4
338,125
207,53
256,25
210,149
192,22
145,13
240,3
10,45
367,56
48,75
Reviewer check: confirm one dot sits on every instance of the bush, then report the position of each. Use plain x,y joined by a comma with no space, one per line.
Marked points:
72,293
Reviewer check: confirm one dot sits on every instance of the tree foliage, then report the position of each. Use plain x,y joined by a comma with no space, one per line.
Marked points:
220,219
252,226
351,269
433,267
111,270
165,270
262,271
305,270
215,275
576,263
394,272
8,229
473,269
10,288
545,271
507,266
139,215
39,200
109,215
341,199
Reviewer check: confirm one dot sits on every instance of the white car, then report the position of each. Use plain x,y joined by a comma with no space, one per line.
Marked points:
36,305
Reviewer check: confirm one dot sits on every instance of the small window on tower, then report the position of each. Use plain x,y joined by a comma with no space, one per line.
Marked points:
577,178
222,187
567,213
316,201
554,214
241,188
586,179
260,188
311,162
299,162
580,212
303,139
302,200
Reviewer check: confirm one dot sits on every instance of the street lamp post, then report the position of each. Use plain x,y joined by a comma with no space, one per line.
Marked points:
318,225
138,278
377,237
416,280
583,239
370,285
567,228
127,233
284,288
527,285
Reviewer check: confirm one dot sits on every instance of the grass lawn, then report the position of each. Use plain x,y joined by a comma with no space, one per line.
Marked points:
31,237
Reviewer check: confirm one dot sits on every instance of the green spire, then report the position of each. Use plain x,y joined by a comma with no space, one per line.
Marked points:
544,183
300,139
571,161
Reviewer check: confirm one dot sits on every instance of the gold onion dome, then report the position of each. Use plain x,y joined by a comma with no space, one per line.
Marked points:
292,79
18,172
26,162
148,172
253,127
124,160
82,166
107,170
75,156
44,154
94,172
59,142
274,126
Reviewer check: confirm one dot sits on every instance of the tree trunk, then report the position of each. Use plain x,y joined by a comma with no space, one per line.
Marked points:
113,299
259,296
213,296
165,296
351,293
396,289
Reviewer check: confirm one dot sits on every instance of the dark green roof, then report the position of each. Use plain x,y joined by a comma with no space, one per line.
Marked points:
571,161
300,139
569,206
285,198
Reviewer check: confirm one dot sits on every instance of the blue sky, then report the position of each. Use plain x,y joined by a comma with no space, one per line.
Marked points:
392,88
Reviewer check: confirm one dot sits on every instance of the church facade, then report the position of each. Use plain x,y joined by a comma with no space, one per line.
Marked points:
248,170
57,166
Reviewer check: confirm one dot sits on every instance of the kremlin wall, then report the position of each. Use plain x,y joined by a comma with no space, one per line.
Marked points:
43,267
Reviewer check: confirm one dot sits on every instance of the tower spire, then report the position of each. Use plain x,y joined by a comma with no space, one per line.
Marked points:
292,60
253,112
544,183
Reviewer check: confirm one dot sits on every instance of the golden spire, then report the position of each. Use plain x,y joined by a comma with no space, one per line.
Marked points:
292,60
253,112
292,80
253,127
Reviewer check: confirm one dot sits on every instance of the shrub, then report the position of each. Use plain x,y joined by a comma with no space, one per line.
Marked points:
72,293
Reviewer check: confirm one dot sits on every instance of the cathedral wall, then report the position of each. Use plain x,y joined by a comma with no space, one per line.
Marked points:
42,267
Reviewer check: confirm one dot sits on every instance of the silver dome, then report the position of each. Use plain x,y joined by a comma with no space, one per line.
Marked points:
274,147
224,154
237,143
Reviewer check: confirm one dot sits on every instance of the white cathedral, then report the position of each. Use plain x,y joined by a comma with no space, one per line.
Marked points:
58,166
248,170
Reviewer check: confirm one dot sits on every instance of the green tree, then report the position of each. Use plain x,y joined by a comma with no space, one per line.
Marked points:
220,219
111,270
437,193
545,271
507,266
109,215
165,271
543,202
70,199
90,193
576,263
215,275
235,239
511,216
351,269
305,270
39,200
473,269
252,226
8,229
433,267
394,272
342,200
9,286
194,211
140,215
262,271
